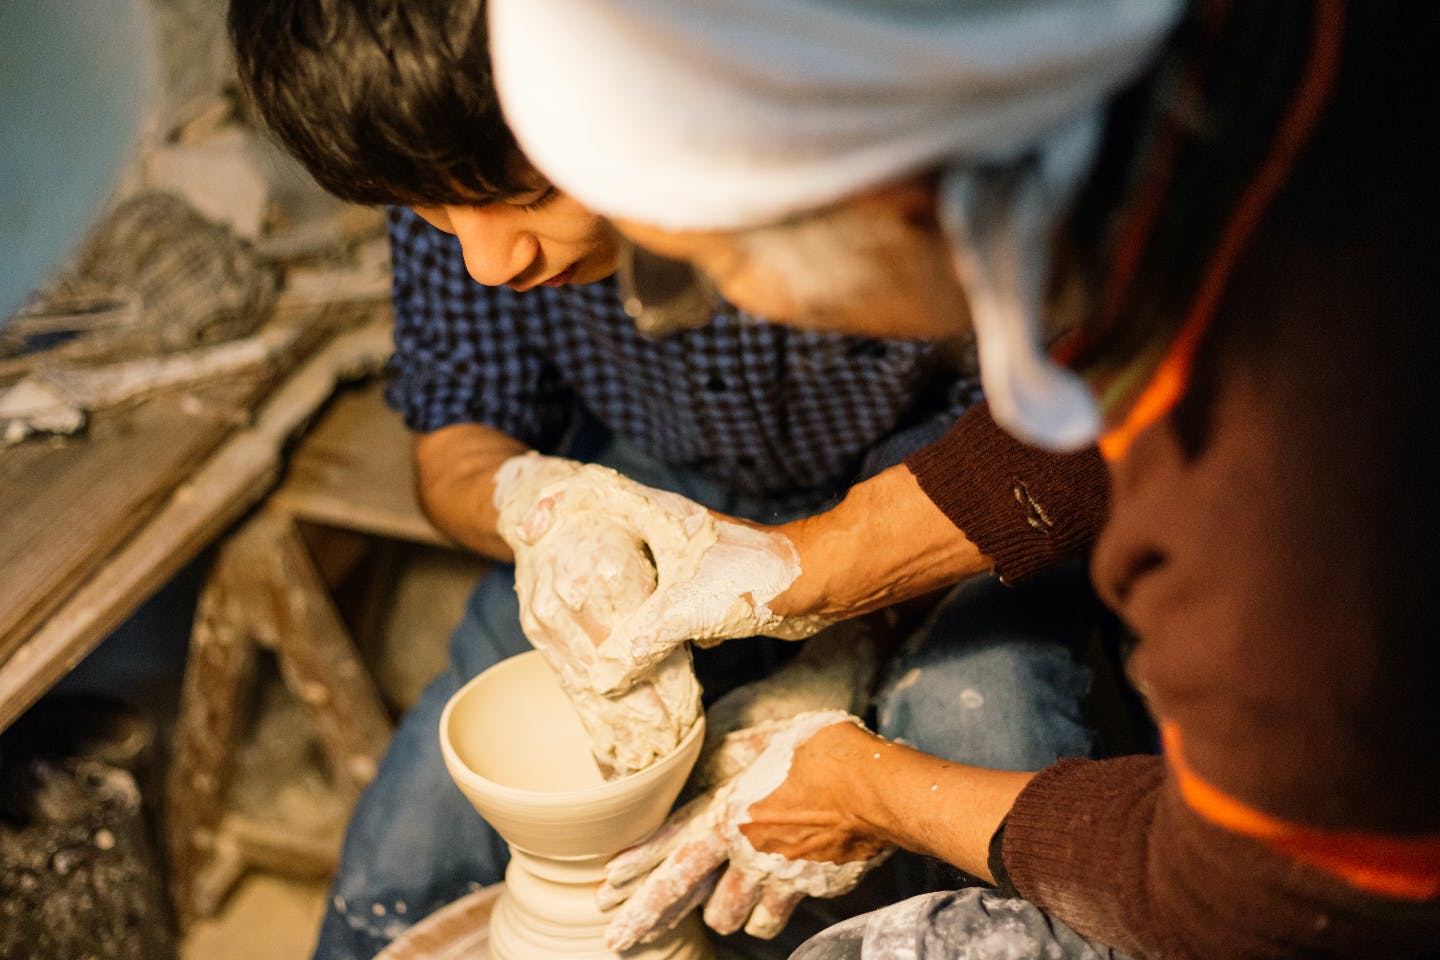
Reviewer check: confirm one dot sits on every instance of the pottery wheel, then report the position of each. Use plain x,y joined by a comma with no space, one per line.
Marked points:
460,931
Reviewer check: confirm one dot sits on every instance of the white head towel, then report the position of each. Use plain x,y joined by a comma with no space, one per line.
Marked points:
716,114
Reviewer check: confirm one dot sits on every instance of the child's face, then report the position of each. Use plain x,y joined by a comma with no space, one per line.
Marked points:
542,238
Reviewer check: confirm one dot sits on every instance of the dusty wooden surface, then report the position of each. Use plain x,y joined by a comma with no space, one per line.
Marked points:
354,471
81,592
69,503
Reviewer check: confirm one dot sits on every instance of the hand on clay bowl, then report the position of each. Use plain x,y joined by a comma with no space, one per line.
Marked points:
575,577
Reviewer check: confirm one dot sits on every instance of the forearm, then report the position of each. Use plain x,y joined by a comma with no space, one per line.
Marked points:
913,800
455,479
884,543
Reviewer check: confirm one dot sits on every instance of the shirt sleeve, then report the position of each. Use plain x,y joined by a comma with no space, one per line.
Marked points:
1025,508
461,350
1112,848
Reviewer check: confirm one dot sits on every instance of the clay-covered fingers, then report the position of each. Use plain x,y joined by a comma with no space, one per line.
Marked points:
777,904
636,644
625,870
726,757
748,899
678,867
573,584
679,884
714,577
518,483
706,597
735,895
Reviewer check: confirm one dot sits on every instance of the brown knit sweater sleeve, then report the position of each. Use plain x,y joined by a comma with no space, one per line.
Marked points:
1025,508
1110,847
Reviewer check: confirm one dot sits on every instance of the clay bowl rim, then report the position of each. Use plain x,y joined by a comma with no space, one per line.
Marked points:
657,770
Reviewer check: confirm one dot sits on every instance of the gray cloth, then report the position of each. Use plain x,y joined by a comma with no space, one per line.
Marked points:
972,924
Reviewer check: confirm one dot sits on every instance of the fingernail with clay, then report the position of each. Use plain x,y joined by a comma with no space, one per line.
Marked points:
771,914
608,896
538,521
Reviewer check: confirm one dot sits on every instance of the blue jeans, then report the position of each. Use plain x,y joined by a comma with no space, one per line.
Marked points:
992,681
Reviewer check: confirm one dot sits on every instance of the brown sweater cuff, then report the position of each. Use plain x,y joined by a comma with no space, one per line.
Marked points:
1026,509
1073,842
1110,848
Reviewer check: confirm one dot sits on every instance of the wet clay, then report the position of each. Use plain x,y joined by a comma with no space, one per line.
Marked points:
598,573
582,564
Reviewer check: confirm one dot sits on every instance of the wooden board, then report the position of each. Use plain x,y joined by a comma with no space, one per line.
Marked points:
67,504
195,512
354,470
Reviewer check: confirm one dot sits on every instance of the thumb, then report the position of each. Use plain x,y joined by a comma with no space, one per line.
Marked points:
639,641
537,521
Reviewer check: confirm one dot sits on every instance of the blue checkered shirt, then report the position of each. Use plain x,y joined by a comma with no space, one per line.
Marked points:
783,414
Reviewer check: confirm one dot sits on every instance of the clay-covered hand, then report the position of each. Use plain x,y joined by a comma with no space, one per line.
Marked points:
780,826
834,670
716,586
714,575
576,573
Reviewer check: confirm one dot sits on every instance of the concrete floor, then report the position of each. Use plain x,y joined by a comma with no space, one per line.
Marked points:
279,774
265,918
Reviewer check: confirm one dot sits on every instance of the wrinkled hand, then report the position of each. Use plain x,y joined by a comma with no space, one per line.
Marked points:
714,576
716,587
777,804
576,573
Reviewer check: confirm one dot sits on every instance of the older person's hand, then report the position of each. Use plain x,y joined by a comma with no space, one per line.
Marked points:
834,670
714,576
707,594
780,825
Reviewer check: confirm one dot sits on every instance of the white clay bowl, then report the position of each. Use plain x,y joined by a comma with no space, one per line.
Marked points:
515,747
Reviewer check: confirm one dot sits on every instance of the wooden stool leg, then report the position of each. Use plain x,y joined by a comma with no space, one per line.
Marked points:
264,591
218,676
319,662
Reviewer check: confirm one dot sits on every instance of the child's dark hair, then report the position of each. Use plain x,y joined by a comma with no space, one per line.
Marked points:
383,101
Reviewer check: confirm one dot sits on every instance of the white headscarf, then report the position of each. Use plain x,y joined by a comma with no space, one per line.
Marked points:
717,114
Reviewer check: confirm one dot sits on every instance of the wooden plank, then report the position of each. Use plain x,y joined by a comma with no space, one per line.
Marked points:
68,504
354,470
226,486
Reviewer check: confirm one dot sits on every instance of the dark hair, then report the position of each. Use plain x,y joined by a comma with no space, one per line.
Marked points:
383,101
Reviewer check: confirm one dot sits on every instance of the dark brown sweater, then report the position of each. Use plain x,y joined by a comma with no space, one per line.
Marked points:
1274,542
1024,508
